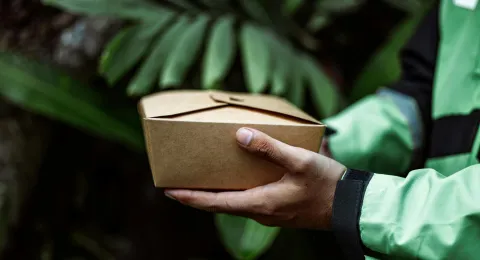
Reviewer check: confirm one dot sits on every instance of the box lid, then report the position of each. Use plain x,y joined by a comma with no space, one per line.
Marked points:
172,103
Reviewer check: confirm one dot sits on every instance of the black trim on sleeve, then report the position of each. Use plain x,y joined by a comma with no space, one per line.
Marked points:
347,205
329,131
418,60
454,134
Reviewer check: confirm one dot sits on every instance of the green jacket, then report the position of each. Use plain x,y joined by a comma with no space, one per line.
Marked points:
415,192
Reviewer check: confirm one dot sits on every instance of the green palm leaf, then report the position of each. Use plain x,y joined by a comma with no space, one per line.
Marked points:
255,10
297,90
145,79
255,57
290,6
283,60
324,93
127,48
182,56
185,4
245,238
47,91
126,9
216,4
220,52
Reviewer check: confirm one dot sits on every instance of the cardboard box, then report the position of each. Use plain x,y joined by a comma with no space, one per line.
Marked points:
190,137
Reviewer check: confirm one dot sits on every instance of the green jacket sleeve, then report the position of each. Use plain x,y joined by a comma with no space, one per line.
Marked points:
373,135
424,216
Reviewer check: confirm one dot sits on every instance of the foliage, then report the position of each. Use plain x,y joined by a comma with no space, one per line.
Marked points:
46,90
171,39
244,238
384,67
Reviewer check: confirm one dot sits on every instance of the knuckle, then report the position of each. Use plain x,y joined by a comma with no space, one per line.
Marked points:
305,163
212,208
269,209
265,148
215,205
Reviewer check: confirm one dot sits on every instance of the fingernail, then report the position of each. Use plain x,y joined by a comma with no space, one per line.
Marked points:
244,136
168,195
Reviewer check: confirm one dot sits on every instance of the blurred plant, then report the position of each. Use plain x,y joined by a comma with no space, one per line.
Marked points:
384,66
46,90
169,37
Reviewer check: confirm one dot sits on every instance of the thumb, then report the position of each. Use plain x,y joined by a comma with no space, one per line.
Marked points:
292,158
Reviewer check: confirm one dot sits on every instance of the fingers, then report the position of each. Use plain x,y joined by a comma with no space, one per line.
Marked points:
291,158
239,203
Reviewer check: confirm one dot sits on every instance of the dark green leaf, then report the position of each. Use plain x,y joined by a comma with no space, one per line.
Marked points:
296,92
145,79
257,239
216,4
185,4
127,48
324,93
318,22
255,57
126,9
339,6
245,238
182,56
47,91
283,63
220,52
291,6
256,11
384,67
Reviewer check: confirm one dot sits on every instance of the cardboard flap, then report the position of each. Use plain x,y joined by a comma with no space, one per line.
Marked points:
170,103
262,102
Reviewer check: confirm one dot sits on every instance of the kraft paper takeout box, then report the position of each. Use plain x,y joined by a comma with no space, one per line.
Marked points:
190,137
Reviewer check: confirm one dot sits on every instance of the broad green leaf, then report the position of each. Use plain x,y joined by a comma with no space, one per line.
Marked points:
384,67
257,239
324,93
291,6
339,6
245,238
185,4
126,9
220,52
127,48
216,4
255,56
47,91
283,63
318,22
255,10
296,91
145,79
182,56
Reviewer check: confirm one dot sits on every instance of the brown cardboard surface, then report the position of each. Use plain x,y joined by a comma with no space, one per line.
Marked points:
190,137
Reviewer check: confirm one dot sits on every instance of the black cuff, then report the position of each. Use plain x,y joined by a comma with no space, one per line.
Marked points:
347,206
330,131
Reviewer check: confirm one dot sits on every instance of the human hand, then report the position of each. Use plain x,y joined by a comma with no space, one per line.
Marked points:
303,198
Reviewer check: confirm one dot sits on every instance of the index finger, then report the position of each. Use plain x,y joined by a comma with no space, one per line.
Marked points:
232,202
